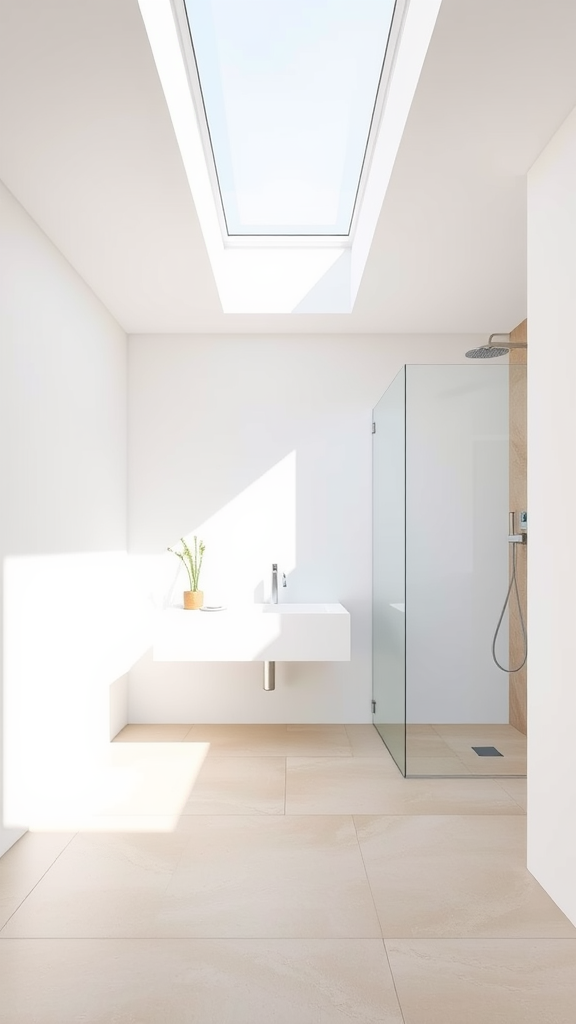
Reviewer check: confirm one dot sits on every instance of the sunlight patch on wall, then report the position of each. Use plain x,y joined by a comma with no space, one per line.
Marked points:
243,539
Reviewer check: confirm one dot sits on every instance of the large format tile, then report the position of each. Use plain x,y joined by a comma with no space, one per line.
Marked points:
239,785
365,741
272,740
22,867
152,734
435,766
280,877
512,981
424,741
456,877
462,738
472,728
516,788
101,885
210,981
337,785
215,877
497,766
364,785
511,744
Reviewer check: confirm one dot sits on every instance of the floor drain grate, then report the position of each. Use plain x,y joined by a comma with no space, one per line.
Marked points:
487,752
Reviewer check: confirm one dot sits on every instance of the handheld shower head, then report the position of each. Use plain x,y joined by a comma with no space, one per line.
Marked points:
489,351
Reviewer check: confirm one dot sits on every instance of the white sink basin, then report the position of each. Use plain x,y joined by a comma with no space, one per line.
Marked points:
258,632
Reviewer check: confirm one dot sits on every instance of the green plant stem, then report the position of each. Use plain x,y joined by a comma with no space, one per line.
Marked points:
193,562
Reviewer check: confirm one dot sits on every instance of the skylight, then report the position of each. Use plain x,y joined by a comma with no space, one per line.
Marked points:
289,90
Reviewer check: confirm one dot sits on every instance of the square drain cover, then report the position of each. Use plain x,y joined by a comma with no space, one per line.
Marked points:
487,752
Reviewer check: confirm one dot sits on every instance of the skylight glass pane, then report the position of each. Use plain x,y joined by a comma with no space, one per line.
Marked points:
289,88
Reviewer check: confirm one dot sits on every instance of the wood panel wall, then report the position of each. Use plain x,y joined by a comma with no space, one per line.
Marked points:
518,499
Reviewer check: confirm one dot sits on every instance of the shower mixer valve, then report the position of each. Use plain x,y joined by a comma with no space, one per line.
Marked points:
513,537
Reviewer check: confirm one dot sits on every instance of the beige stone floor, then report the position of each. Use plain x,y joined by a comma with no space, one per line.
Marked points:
447,750
302,882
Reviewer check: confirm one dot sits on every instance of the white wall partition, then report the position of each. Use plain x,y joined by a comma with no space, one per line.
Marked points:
62,516
551,503
457,485
262,446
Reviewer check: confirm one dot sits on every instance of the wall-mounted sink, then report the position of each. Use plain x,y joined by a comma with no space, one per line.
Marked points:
258,632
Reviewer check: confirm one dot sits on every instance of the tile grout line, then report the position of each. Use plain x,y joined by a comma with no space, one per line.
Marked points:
386,954
43,875
411,939
353,817
502,787
378,919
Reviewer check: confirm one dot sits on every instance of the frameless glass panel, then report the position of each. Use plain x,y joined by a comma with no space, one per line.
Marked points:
389,606
289,88
457,504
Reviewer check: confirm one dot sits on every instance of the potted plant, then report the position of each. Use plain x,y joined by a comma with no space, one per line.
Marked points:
193,598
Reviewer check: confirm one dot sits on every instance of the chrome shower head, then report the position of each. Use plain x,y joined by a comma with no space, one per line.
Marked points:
489,351
486,353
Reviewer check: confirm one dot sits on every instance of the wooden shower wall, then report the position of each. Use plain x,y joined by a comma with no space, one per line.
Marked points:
518,461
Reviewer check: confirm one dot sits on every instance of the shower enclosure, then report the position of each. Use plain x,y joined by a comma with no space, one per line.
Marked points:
441,494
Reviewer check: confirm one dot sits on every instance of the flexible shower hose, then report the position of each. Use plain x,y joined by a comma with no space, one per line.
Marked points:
513,584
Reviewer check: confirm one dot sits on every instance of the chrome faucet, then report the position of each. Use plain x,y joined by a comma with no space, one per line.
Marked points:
270,666
274,594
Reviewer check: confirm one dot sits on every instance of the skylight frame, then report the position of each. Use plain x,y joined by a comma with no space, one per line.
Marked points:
290,241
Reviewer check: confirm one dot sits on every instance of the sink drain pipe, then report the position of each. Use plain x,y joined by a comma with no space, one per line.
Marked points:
269,675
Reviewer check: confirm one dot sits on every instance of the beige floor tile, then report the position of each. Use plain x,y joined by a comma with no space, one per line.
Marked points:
215,877
101,885
472,728
426,744
281,877
507,747
210,981
463,796
270,741
365,741
329,730
364,785
436,766
239,785
456,877
338,785
511,744
461,738
522,981
23,866
516,788
495,766
152,734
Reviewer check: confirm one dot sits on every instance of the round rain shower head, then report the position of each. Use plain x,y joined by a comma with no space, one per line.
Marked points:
487,352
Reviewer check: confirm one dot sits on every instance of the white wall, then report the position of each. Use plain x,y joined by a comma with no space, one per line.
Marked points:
262,446
457,497
551,504
63,511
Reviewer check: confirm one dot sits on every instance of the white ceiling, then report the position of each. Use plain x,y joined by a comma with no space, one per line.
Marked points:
86,145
